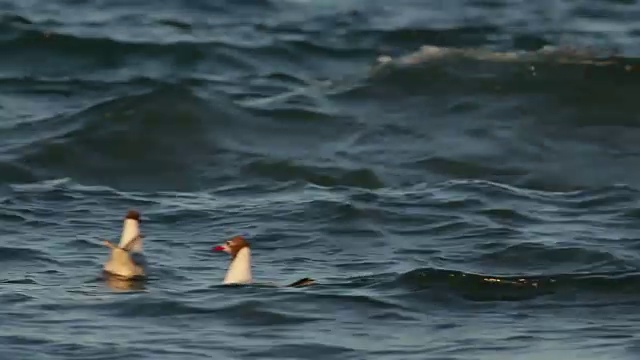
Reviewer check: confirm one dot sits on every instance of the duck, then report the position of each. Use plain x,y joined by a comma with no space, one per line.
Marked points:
239,271
126,260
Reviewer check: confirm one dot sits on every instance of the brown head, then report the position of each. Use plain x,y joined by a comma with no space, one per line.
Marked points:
133,215
232,246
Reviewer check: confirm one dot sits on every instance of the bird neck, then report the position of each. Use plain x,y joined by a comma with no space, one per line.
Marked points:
239,271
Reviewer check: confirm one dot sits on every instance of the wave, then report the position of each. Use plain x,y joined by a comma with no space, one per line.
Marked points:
454,168
486,287
20,254
488,196
152,138
66,85
434,69
243,308
548,54
171,138
13,172
322,176
91,52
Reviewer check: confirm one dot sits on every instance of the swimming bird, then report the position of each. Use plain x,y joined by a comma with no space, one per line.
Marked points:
239,271
127,260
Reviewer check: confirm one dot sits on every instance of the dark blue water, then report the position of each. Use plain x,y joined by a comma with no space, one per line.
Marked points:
479,201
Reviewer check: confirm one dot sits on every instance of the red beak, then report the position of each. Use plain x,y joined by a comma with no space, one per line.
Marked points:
218,248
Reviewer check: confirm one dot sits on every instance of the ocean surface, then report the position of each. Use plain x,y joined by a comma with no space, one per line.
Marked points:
461,178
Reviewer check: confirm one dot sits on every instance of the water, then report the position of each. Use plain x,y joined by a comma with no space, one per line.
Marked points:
406,188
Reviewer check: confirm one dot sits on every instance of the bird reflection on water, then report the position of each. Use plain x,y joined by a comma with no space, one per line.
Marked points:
118,283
